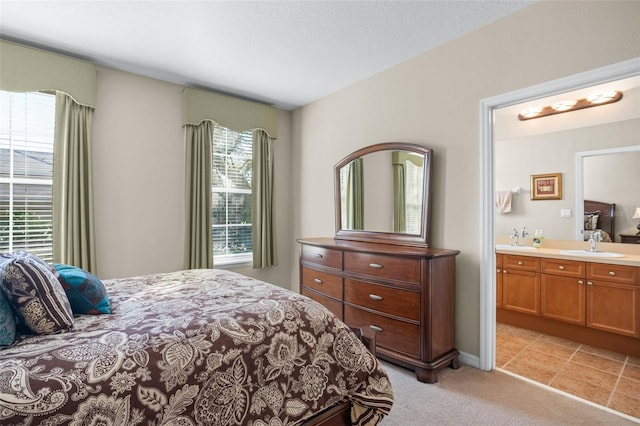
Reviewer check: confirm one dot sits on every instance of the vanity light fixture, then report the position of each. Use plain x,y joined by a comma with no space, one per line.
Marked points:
636,215
596,99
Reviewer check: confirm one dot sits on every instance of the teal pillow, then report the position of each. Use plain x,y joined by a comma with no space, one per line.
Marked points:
86,293
7,322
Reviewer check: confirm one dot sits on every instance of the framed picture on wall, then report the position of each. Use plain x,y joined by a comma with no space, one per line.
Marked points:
546,187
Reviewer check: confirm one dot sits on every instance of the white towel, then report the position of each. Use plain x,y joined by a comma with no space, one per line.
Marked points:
503,201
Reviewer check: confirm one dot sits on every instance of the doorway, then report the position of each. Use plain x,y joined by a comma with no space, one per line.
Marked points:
630,68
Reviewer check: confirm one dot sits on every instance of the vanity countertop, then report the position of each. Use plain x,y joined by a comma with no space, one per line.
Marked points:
554,249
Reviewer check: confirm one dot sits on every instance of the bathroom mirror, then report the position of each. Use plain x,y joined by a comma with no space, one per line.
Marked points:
382,194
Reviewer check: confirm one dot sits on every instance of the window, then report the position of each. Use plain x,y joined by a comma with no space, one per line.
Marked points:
27,124
231,195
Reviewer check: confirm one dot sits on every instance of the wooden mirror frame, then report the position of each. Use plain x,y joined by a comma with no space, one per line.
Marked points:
415,240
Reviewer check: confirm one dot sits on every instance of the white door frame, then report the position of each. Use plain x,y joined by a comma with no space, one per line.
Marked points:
629,68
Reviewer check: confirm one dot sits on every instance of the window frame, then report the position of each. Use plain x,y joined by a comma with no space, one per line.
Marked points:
17,141
233,259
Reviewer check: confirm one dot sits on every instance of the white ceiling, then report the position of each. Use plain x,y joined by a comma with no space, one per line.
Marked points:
285,53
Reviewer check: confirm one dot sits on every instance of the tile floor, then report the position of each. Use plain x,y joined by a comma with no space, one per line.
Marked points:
606,378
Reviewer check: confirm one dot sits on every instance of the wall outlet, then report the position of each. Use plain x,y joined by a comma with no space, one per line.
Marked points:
565,212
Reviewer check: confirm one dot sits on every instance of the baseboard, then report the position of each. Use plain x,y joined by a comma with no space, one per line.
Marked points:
468,359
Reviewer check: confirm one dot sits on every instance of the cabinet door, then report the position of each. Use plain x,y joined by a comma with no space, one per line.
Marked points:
521,291
613,307
562,298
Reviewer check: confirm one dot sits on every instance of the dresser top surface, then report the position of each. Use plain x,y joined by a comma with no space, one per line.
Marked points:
379,248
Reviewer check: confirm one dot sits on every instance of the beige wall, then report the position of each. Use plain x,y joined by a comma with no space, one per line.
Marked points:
139,179
518,159
433,100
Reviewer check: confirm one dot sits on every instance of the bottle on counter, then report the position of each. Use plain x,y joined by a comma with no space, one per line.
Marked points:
538,236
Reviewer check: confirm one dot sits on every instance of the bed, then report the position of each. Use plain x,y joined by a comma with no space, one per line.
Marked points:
599,216
195,347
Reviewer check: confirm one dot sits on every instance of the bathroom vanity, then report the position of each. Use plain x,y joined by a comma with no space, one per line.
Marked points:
589,299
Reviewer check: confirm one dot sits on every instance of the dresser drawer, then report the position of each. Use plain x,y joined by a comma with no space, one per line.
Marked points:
322,282
322,256
387,267
332,305
395,335
389,300
524,263
613,273
565,268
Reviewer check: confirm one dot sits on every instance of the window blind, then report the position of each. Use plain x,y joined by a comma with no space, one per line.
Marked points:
27,124
231,194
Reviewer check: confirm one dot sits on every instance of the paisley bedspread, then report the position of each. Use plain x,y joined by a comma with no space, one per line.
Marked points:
193,347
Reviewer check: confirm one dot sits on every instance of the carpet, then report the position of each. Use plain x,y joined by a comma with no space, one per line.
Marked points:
469,396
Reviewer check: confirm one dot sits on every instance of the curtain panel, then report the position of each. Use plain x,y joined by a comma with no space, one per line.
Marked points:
355,195
198,244
73,218
263,209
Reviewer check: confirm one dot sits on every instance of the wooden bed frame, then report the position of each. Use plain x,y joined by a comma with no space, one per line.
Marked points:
606,220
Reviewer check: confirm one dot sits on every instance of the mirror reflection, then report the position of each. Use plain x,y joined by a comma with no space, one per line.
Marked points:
382,192
551,145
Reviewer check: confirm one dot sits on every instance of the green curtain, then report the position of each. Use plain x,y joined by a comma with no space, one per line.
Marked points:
73,222
198,242
355,195
399,199
263,208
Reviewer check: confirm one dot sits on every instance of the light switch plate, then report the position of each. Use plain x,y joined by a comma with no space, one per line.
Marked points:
565,212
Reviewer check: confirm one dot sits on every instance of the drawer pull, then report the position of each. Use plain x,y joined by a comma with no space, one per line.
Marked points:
519,262
375,265
317,280
376,328
613,274
319,256
561,267
375,297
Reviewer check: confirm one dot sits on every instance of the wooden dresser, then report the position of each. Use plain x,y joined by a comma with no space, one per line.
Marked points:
405,294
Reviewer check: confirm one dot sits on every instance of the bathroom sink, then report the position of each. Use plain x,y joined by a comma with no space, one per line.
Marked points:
591,253
512,247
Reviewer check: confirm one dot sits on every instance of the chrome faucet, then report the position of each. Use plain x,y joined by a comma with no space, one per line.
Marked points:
516,237
595,238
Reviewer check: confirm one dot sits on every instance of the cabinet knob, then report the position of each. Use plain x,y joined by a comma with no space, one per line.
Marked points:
561,267
375,297
589,283
519,262
504,271
613,274
318,280
375,265
498,270
376,328
580,282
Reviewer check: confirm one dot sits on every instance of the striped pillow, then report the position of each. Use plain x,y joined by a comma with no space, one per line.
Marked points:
36,294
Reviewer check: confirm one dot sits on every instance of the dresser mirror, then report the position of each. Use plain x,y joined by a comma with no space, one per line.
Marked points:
382,194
